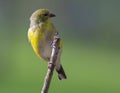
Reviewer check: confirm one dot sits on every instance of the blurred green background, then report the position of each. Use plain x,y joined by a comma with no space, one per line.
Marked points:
90,31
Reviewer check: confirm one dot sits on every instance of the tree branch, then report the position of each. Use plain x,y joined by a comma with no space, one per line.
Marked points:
51,64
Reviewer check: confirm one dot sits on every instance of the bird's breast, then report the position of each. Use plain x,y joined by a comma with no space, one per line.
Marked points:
41,43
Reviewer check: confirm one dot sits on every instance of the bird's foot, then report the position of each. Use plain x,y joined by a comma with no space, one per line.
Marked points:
50,65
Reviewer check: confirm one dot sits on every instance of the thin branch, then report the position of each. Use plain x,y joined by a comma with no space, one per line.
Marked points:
51,64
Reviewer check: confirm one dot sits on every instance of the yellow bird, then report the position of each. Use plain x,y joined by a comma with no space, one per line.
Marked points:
41,34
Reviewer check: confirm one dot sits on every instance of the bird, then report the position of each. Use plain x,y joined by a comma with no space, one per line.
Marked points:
41,35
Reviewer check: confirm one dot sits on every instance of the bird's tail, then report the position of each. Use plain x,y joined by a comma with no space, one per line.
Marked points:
61,73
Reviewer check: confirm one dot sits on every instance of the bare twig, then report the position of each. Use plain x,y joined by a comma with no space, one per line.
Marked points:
51,64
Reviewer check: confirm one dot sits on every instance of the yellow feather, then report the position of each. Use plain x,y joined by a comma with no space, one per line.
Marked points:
41,36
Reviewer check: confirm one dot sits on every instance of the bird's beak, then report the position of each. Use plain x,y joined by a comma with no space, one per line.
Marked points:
52,15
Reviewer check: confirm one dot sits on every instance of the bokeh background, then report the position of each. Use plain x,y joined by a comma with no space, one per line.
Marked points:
90,31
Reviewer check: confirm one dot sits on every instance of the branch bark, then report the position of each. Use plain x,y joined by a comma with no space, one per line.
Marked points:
51,64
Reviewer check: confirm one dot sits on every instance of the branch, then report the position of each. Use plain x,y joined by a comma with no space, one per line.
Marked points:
51,64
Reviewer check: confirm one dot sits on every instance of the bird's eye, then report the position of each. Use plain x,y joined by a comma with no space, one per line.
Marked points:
45,14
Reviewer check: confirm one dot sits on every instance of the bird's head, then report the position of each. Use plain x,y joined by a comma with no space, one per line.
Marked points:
41,15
